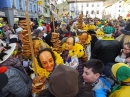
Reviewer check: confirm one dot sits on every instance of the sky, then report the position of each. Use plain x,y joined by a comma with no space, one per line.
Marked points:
60,1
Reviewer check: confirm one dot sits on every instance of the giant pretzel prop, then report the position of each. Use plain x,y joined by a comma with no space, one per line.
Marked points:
38,82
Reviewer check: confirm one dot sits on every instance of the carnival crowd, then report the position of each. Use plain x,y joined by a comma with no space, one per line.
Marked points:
74,58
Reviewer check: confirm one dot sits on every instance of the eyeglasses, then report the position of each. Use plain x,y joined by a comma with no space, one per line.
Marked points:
126,49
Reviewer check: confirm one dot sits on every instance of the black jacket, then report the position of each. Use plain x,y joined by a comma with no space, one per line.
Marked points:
106,50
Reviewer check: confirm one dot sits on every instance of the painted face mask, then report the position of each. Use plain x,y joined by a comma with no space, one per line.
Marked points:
69,43
47,61
83,38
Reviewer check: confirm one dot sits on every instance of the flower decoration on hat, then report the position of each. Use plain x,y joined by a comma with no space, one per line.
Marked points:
99,33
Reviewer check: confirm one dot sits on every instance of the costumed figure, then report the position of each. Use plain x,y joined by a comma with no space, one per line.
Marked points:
121,73
41,20
85,41
47,60
99,34
73,54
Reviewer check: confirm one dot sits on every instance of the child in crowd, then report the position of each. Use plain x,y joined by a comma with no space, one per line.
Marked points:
124,56
91,75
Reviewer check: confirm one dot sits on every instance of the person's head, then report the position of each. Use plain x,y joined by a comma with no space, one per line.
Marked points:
64,26
70,42
64,82
46,59
121,72
38,33
83,37
41,17
126,48
92,70
120,18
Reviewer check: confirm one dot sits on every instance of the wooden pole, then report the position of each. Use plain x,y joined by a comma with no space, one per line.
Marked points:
53,23
30,38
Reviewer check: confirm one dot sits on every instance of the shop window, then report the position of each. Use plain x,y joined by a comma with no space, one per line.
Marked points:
20,4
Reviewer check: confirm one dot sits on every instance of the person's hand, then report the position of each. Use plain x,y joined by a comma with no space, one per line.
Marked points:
127,60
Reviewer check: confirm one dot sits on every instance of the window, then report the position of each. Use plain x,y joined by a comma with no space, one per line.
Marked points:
92,5
20,4
86,12
119,6
92,12
87,5
13,3
25,4
30,6
119,10
97,5
34,8
97,11
45,10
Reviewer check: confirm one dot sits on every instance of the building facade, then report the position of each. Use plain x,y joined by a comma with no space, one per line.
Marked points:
44,9
90,9
17,8
117,9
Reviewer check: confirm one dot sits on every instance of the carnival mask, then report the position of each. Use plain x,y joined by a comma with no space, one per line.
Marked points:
47,61
83,38
69,43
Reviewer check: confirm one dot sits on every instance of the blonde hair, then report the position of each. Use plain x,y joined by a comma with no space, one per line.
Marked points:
126,38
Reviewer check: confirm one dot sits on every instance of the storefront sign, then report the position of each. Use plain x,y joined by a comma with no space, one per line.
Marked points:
23,14
15,12
2,13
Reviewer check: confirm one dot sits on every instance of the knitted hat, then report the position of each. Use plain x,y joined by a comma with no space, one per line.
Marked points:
121,72
108,30
64,82
126,30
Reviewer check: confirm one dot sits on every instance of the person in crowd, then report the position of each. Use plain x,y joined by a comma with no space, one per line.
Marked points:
18,82
121,21
64,76
91,75
125,35
41,20
37,33
63,31
83,40
6,33
73,54
121,73
107,48
47,60
124,55
92,32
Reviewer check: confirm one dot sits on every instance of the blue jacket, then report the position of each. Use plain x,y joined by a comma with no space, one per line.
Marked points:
101,88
